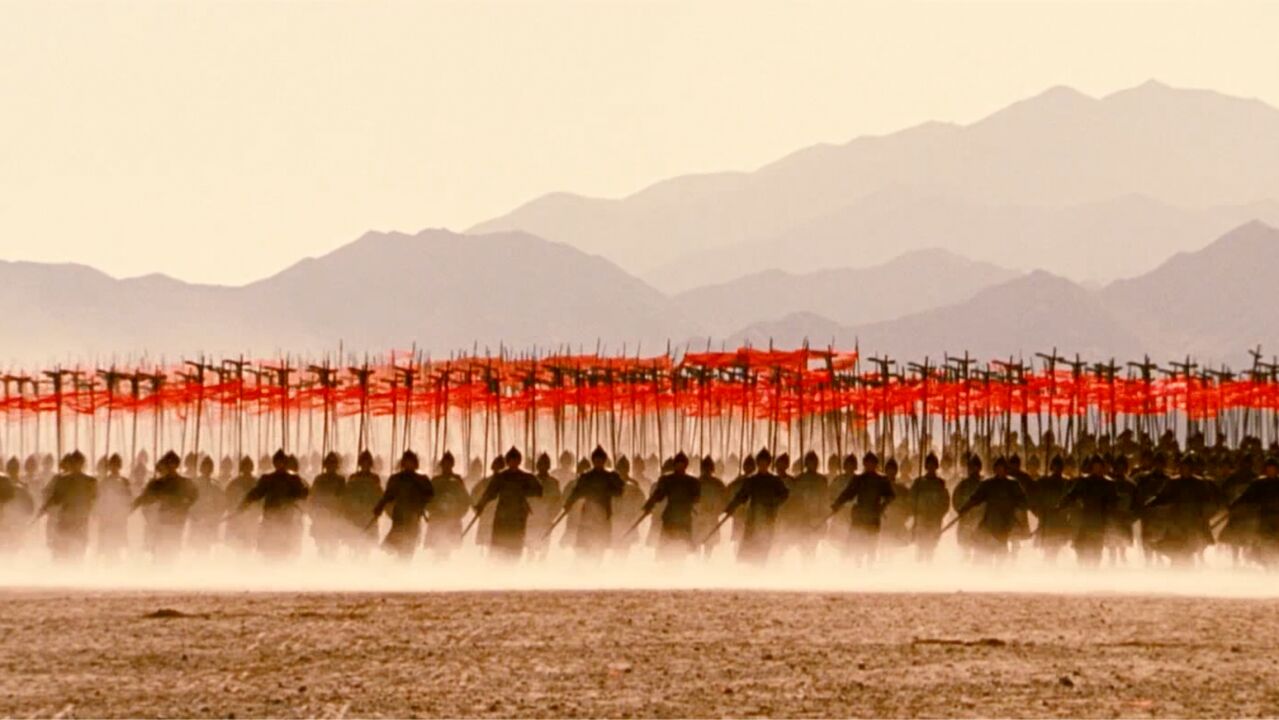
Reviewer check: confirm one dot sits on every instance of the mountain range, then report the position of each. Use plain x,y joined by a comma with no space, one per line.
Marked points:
1138,222
1090,188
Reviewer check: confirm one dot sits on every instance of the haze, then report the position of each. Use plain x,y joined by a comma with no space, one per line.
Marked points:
219,142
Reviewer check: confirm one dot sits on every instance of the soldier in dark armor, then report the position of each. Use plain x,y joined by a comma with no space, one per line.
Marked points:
69,502
837,529
324,505
1190,502
680,493
1054,523
1001,498
627,508
16,507
805,506
1153,520
762,494
1095,501
544,506
513,487
446,509
895,530
740,513
869,493
1239,531
966,530
407,493
241,529
112,511
929,502
208,512
282,494
172,495
1260,501
363,490
711,499
1119,530
597,488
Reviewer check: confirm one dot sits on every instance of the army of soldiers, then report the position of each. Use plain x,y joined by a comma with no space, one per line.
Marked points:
1108,500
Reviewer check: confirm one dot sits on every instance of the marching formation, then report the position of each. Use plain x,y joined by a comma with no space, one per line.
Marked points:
1127,463
1106,498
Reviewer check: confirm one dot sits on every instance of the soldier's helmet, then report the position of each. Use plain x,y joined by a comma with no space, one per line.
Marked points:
680,459
870,457
543,462
599,453
170,460
763,456
280,458
365,460
931,462
246,464
514,455
708,464
332,460
447,461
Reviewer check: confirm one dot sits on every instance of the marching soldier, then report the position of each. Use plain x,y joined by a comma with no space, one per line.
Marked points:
208,510
512,488
762,493
172,496
1191,502
711,498
281,493
363,490
69,502
241,528
1095,499
112,511
966,530
407,493
325,506
680,493
869,493
1003,498
597,488
446,509
929,503
805,506
544,505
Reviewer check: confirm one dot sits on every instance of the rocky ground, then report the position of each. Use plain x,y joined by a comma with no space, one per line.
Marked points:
629,653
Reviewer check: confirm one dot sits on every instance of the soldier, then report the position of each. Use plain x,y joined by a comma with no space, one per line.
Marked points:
1003,498
325,506
363,490
628,507
1260,500
446,509
966,532
1190,501
740,515
805,506
929,503
842,474
1054,524
484,532
281,493
680,493
208,511
69,502
407,492
711,498
544,506
1119,531
16,507
597,488
869,493
895,531
763,494
512,488
1240,527
241,528
172,495
1153,520
114,498
1095,499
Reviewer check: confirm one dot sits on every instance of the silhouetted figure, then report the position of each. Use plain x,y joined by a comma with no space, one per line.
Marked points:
326,508
1153,520
513,488
171,495
208,511
869,493
739,514
805,507
1054,525
545,506
929,502
281,493
363,490
112,511
1260,500
407,493
711,499
680,493
1001,498
446,509
241,528
16,507
762,494
1190,502
69,502
966,527
597,489
1095,501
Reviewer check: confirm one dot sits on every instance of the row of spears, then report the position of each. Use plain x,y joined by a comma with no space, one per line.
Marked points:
712,401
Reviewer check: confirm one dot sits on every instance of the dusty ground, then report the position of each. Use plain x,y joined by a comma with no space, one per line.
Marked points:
634,653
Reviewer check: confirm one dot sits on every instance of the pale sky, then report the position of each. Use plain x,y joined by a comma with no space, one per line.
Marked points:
220,142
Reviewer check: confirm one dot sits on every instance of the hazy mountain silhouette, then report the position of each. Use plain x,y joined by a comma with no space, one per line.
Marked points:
1061,149
386,290
1215,302
912,282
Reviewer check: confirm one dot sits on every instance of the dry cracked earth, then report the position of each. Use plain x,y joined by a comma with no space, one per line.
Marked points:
644,653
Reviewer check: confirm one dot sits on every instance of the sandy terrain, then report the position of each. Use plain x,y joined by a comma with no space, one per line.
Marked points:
634,653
